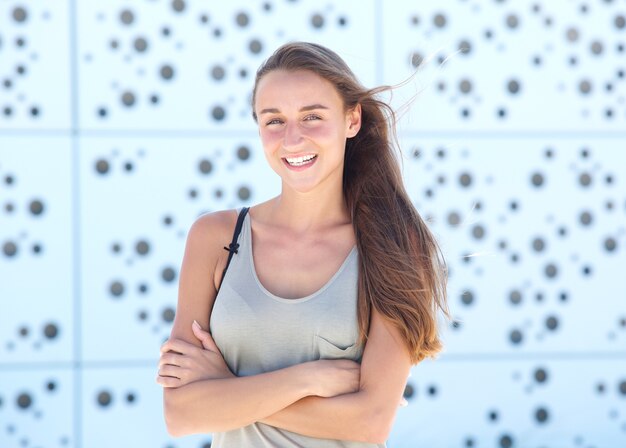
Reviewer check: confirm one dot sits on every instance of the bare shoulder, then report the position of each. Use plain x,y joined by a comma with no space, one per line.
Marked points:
202,260
212,231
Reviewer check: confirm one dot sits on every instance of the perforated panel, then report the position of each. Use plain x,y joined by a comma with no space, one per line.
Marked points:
121,122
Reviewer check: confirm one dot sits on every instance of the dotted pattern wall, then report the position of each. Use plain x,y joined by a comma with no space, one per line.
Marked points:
121,122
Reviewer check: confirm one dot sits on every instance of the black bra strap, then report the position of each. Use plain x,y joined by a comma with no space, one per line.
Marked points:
234,245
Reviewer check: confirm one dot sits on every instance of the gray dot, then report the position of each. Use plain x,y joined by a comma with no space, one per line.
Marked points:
23,331
205,166
515,297
622,387
467,298
242,19
36,207
515,336
409,391
610,244
168,274
24,400
537,179
317,20
584,179
512,21
506,441
513,86
127,17
416,59
439,20
168,314
116,289
255,46
550,270
140,44
104,398
465,47
552,323
142,247
478,231
9,248
178,5
102,166
586,218
465,86
619,22
540,375
541,415
243,193
166,72
51,331
218,72
596,47
218,113
19,14
243,153
465,179
130,397
454,218
538,244
128,99
572,34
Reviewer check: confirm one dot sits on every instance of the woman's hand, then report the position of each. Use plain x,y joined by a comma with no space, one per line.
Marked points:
183,363
336,377
340,376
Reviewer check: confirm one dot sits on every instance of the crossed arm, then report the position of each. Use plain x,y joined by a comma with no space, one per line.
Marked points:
286,398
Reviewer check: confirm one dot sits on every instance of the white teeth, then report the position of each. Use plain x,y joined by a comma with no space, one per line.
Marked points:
300,160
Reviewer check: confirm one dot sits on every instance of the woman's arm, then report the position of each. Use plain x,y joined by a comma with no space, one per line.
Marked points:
366,415
223,404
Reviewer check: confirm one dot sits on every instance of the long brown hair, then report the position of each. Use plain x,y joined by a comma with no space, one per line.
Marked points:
402,273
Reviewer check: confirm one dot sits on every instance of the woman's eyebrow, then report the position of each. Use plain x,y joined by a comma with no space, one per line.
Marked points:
273,110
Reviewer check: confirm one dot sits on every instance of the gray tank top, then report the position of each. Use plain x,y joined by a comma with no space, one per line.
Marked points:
257,332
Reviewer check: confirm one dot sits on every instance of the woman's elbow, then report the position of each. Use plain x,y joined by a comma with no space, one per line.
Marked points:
171,413
380,425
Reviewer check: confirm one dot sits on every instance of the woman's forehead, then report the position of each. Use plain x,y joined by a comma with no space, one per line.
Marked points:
297,88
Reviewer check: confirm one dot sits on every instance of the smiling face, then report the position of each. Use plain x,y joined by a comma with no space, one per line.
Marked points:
300,115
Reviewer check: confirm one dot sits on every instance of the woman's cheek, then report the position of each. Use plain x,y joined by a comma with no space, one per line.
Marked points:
269,139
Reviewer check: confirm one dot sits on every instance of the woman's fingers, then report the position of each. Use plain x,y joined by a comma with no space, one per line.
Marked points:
168,381
170,370
173,359
177,345
204,336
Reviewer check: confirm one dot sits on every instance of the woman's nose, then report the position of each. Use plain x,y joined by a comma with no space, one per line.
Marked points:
292,136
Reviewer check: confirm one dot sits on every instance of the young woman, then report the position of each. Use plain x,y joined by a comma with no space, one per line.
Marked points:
333,288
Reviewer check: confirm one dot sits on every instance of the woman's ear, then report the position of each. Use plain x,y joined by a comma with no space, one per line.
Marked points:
354,121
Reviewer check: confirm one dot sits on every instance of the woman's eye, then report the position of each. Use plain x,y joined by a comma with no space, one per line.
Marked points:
275,120
312,117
